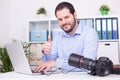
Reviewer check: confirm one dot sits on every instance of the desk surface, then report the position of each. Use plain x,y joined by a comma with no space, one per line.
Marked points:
68,76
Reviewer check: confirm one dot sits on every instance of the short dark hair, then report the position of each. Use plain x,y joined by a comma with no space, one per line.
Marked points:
67,5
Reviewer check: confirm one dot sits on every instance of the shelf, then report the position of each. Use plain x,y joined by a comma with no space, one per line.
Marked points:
52,27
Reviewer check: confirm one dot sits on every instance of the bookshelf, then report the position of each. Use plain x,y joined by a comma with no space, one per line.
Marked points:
108,42
37,34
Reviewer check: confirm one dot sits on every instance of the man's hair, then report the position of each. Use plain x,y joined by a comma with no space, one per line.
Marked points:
67,5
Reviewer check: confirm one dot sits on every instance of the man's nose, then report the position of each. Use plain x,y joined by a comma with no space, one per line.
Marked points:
63,21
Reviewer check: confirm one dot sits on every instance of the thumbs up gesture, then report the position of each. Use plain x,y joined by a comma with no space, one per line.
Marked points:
47,46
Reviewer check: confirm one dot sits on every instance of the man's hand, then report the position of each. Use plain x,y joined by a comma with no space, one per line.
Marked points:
45,66
47,46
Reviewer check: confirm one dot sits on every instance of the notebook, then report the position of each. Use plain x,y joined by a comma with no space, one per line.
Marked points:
20,62
18,58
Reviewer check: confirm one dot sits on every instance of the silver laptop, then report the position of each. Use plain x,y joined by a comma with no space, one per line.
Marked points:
18,58
20,62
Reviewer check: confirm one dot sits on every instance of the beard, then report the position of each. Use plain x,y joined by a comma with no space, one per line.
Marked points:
72,26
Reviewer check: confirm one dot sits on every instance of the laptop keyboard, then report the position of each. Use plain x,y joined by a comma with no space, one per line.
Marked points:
52,71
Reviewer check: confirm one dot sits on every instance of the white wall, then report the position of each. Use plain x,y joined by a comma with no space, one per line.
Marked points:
4,22
15,14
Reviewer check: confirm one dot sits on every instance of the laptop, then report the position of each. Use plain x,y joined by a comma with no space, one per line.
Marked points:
20,62
18,59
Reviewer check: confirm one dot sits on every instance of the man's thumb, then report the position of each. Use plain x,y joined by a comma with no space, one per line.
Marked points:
49,38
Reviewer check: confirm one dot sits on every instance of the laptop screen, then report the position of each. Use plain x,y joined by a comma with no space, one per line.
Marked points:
18,57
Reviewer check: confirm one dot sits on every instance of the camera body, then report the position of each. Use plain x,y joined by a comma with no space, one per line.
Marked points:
101,67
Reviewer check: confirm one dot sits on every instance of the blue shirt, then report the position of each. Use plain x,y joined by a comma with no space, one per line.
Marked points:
84,42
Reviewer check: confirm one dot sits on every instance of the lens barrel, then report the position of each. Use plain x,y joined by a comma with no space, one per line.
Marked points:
74,60
80,61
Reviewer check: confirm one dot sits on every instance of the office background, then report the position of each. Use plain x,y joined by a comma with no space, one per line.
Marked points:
15,14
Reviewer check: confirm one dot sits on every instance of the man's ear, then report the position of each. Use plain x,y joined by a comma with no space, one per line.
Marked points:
75,14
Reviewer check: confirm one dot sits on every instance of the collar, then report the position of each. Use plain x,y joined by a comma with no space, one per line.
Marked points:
77,32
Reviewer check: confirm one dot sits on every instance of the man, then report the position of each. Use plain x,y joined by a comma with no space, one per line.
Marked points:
82,40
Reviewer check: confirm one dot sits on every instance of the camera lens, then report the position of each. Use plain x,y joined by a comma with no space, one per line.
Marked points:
80,61
86,63
74,60
101,67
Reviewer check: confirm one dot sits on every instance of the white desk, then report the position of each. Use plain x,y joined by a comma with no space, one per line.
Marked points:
68,76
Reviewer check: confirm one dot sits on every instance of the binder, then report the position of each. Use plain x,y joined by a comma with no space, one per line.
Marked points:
99,28
114,28
104,28
55,32
109,28
89,23
82,22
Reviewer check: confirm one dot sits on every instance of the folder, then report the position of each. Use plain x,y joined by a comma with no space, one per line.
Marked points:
82,22
89,23
114,28
109,28
55,29
98,28
104,29
55,32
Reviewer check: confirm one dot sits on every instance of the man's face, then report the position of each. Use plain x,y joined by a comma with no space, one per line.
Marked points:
66,20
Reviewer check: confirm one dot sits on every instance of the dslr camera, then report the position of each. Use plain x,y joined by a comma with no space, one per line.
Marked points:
101,67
